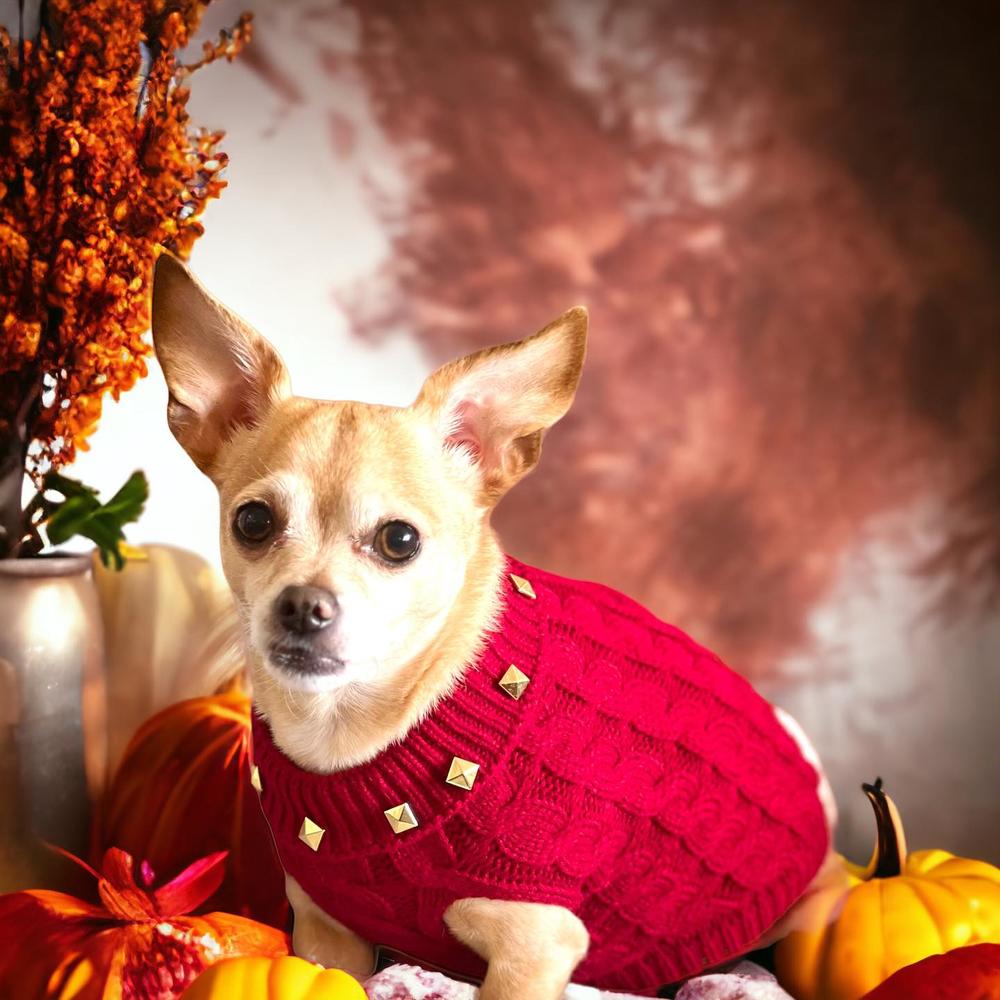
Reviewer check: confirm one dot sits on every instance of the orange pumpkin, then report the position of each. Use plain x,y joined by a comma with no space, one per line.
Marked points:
960,974
139,943
273,979
898,910
183,790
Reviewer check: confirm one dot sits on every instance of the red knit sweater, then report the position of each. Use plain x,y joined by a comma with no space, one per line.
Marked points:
637,781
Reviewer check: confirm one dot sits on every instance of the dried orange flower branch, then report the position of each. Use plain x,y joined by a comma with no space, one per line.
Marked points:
99,166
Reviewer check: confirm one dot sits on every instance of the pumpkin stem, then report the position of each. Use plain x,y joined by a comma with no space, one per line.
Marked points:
889,856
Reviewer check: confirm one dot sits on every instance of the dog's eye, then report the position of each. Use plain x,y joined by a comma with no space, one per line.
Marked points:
397,541
254,523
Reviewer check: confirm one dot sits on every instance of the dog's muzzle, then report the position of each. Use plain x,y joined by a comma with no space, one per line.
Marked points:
303,634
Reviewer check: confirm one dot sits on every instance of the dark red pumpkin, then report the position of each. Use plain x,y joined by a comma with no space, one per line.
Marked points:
183,791
971,973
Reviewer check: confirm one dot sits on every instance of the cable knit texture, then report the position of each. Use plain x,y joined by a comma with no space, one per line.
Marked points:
638,782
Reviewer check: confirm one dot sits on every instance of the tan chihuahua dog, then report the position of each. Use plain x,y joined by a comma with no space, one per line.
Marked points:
320,503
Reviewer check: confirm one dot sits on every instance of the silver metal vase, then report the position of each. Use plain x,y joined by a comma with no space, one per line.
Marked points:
52,713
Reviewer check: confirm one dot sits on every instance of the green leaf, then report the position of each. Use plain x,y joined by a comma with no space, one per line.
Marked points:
81,513
106,535
66,486
127,504
69,517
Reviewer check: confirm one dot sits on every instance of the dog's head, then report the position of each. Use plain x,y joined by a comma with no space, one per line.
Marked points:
348,529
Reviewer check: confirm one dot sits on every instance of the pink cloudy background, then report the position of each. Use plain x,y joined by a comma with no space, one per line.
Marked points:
785,221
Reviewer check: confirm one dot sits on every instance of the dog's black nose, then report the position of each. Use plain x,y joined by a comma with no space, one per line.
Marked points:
306,609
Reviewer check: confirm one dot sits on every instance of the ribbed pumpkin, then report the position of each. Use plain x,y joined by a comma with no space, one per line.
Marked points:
166,618
273,979
898,910
971,973
183,790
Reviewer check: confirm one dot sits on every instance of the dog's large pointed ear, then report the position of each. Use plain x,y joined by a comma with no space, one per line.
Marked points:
221,373
495,405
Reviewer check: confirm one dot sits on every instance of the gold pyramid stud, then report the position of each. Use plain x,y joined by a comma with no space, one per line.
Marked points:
311,833
462,773
522,586
255,779
514,682
401,818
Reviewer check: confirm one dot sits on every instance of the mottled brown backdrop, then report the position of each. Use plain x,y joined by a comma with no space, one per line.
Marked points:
785,219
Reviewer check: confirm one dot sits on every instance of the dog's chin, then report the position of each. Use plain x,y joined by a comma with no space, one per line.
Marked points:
307,671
